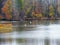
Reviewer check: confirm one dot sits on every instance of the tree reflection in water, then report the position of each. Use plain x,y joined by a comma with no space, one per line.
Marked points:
25,32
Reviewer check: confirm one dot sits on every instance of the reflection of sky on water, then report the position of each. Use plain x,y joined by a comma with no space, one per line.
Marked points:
41,31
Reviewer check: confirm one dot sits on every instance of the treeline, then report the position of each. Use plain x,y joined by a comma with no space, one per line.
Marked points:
22,9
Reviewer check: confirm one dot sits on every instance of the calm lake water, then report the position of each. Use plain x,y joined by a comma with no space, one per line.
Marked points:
32,32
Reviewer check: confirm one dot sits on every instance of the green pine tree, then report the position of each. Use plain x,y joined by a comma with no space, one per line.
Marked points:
20,4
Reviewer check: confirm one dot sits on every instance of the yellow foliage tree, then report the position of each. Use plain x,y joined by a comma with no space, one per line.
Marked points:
51,11
39,15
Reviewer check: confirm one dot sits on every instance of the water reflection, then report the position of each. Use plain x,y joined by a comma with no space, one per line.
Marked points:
5,41
38,42
32,32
